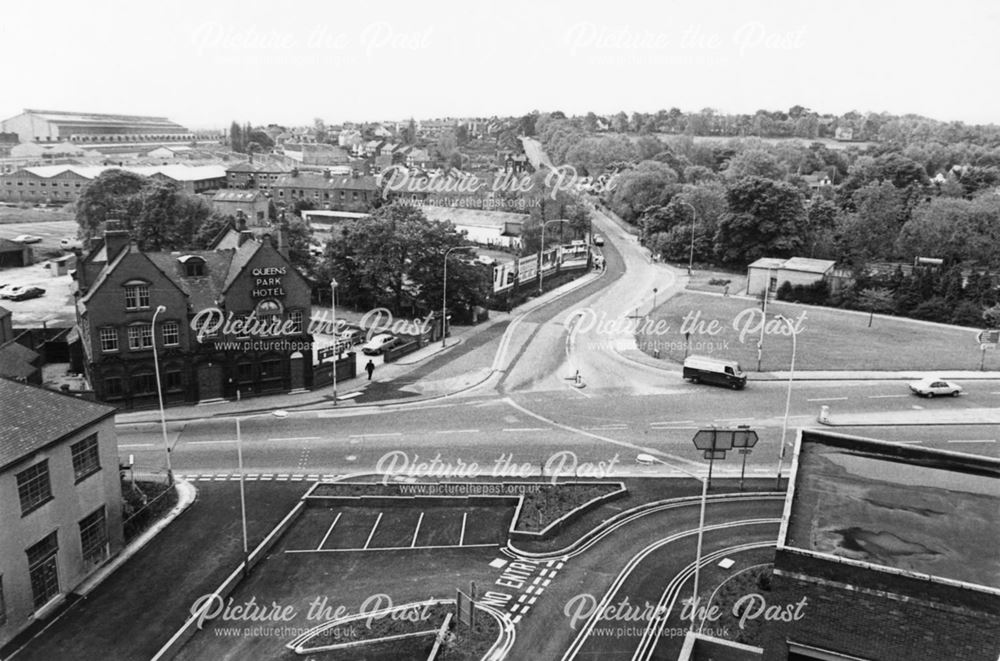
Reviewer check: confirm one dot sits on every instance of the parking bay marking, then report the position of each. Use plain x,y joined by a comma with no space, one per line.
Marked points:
372,533
419,521
827,399
329,531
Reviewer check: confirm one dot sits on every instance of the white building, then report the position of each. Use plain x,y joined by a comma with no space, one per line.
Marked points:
771,272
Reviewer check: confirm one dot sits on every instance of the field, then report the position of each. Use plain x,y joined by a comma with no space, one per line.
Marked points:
828,339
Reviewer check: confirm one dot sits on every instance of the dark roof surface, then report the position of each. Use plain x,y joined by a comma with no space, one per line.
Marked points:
35,417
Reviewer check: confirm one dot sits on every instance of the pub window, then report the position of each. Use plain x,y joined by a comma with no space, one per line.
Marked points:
109,339
295,316
268,312
143,383
33,487
94,537
245,372
270,369
171,333
140,336
194,267
113,386
136,295
174,380
86,457
43,571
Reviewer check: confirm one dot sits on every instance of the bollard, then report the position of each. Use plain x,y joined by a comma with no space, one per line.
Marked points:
824,414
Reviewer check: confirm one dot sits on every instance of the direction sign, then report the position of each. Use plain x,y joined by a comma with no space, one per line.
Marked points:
714,439
989,336
744,438
718,454
745,450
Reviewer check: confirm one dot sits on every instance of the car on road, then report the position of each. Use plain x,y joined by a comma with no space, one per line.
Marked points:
18,293
379,344
933,387
598,240
27,238
70,243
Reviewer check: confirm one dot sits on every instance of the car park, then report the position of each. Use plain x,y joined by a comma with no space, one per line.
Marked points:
379,344
935,387
27,238
352,336
18,293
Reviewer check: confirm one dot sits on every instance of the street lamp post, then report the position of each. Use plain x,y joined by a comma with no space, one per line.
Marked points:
701,529
541,253
333,313
444,293
788,398
159,391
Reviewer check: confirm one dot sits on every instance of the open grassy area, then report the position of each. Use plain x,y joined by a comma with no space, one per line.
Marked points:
15,214
714,281
828,339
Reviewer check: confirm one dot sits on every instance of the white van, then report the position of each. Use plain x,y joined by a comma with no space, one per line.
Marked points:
720,372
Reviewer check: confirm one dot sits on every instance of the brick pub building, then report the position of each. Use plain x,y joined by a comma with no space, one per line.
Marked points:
120,287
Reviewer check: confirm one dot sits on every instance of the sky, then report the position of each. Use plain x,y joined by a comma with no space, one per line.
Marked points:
205,64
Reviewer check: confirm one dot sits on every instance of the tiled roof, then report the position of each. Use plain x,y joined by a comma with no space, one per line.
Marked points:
240,259
35,417
238,196
203,291
16,361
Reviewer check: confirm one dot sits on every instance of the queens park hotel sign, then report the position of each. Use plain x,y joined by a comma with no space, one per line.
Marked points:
267,282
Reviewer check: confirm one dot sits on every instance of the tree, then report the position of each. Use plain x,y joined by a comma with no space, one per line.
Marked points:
395,258
410,133
113,194
619,123
870,232
648,184
991,316
319,126
754,163
876,299
765,219
235,137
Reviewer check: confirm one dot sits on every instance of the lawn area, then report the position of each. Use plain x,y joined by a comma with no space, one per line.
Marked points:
15,214
702,280
828,339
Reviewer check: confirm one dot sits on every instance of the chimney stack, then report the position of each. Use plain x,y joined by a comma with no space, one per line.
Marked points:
115,238
282,246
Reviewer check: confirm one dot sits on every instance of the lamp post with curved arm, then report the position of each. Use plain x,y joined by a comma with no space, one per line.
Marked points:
788,397
541,253
444,293
694,219
159,392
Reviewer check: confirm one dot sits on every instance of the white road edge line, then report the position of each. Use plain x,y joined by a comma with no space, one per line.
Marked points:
985,440
827,399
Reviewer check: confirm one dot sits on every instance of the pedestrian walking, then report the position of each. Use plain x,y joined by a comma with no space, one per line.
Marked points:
725,290
370,367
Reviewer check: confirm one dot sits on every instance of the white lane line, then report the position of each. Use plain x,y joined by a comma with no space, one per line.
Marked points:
372,533
658,428
461,539
457,431
729,420
827,399
522,598
985,440
209,442
887,396
673,422
908,442
606,427
327,535
414,542
298,438
136,445
395,433
515,429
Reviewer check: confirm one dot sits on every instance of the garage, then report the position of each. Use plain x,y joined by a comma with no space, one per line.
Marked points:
13,254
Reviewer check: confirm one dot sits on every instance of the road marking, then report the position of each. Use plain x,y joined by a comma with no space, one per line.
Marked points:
461,539
513,609
729,420
607,427
362,436
827,399
531,602
529,589
673,422
516,429
414,542
457,431
394,548
330,530
208,442
517,618
985,440
372,533
135,445
522,598
657,428
908,442
886,396
299,438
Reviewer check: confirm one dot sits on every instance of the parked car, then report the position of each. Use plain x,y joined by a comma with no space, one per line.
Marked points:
18,293
352,336
27,238
932,386
598,240
701,369
379,344
70,243
4,288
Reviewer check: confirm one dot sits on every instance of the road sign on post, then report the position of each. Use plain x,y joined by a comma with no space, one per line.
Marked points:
714,439
715,454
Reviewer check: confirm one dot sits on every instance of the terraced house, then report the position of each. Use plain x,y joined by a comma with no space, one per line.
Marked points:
120,291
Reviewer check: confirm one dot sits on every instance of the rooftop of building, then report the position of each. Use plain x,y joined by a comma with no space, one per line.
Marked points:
895,507
99,118
236,195
804,264
333,182
177,172
34,418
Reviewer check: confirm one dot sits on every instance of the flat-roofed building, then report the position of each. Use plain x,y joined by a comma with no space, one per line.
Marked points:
60,500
